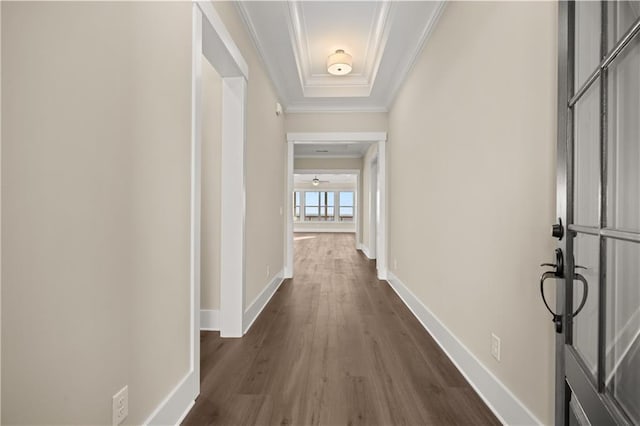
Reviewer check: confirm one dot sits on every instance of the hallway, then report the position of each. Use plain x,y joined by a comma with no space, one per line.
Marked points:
334,346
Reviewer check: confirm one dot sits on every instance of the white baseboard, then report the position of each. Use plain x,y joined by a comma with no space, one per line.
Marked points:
366,252
210,319
254,309
509,409
175,407
324,229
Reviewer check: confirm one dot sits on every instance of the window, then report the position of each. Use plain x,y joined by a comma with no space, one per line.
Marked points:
319,206
346,206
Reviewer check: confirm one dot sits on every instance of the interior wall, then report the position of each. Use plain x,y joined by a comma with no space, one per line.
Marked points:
95,216
265,165
337,122
211,187
472,185
0,211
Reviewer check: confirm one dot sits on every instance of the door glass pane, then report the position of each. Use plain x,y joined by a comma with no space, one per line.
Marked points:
624,140
587,40
587,157
622,15
585,324
623,326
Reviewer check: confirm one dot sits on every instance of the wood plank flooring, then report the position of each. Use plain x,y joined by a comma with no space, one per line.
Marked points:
335,346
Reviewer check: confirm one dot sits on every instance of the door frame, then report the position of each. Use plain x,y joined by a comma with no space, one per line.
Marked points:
379,138
563,186
211,39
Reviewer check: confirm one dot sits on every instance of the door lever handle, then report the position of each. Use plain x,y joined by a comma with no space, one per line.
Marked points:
557,318
559,265
585,291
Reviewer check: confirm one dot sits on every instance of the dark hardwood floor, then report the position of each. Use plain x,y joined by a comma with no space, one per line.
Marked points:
335,346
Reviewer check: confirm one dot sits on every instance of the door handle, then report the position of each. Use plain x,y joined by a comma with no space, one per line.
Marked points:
585,290
557,318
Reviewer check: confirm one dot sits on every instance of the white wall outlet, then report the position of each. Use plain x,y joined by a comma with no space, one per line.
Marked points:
281,210
495,346
120,405
268,271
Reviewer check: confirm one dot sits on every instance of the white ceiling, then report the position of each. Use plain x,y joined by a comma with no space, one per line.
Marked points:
331,150
295,38
301,179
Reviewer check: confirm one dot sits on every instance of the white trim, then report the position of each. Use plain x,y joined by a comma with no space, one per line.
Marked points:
327,229
371,192
313,109
504,404
175,407
227,58
329,157
381,212
319,137
288,229
259,303
209,319
177,399
233,190
366,251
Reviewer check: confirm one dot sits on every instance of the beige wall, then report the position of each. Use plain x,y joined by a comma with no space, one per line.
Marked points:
337,122
95,208
472,185
0,212
265,165
211,179
327,163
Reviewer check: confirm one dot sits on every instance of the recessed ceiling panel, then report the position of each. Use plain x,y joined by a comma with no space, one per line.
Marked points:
295,38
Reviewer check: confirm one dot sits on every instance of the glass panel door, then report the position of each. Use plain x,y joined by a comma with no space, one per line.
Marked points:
599,179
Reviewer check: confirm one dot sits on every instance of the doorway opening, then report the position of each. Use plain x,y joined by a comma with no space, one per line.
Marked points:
336,183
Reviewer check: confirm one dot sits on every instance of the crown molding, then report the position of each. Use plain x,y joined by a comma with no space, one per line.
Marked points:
357,84
310,109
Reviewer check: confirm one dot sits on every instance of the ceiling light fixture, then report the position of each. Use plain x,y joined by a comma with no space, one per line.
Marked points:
339,63
315,181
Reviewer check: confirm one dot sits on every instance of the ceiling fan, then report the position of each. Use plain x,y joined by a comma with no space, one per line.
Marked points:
315,181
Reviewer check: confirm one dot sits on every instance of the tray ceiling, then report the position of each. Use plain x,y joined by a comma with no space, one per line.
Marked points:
295,38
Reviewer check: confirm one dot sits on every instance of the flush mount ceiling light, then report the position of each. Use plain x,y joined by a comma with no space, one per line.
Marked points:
339,63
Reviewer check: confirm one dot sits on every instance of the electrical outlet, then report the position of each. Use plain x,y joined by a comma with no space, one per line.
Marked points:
268,271
281,210
120,405
495,346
